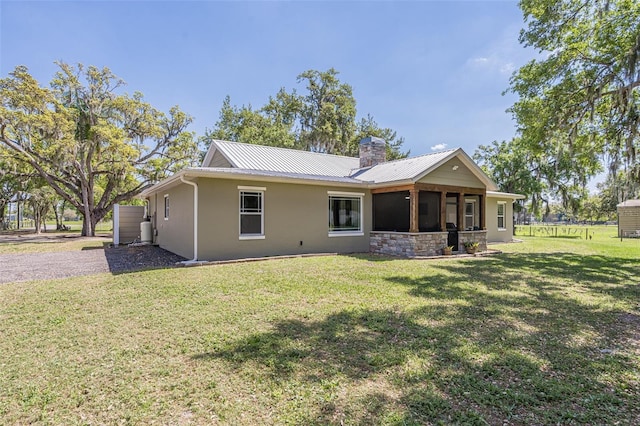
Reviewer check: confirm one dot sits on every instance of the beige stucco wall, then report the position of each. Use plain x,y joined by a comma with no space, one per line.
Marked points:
445,175
292,213
493,234
176,233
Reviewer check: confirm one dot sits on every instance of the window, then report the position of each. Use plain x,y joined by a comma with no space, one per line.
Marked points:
166,206
469,214
251,213
502,226
345,214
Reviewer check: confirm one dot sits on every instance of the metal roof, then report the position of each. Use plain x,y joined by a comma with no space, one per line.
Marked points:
404,169
257,175
281,164
283,160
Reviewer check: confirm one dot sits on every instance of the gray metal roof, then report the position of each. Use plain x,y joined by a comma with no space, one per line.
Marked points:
248,173
283,160
404,169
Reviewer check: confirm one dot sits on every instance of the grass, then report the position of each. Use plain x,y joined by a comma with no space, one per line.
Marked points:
546,333
47,243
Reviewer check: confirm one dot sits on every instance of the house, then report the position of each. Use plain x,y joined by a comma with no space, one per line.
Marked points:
253,201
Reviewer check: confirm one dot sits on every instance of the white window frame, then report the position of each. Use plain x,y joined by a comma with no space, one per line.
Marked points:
166,206
256,190
504,215
473,214
348,233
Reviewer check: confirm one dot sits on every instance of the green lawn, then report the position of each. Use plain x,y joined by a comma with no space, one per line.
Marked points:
546,333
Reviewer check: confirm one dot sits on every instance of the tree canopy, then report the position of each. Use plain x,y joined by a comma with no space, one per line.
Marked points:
579,102
322,119
91,144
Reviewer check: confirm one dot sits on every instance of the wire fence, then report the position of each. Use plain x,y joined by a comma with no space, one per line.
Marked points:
556,231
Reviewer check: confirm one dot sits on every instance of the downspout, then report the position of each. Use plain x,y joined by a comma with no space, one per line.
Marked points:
195,219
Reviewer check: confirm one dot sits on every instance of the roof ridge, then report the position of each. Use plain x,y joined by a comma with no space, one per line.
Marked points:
423,155
284,149
407,158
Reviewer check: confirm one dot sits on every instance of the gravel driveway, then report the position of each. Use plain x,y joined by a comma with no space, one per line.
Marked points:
42,266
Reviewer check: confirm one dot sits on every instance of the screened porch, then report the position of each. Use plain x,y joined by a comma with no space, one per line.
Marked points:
422,219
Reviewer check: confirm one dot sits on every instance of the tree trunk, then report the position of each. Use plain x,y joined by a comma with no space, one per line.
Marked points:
18,212
58,218
87,226
36,220
3,209
94,222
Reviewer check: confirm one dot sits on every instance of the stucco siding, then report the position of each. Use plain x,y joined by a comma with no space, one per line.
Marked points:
218,160
445,175
175,233
495,235
292,214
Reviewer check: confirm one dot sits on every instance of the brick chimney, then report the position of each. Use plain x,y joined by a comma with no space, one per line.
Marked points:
372,151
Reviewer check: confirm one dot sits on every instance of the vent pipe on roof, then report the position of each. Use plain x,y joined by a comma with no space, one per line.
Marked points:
372,151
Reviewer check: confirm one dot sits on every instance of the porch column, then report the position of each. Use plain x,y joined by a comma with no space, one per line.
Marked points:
443,211
483,224
461,211
413,210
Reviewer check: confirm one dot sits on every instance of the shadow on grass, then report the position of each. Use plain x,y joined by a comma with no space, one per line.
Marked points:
488,344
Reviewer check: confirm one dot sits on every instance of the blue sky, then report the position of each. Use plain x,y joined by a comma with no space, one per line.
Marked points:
432,71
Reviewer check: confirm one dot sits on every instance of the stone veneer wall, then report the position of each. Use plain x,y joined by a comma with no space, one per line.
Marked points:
479,236
408,244
372,151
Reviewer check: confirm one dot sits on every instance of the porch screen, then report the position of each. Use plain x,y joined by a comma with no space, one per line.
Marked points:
429,211
391,211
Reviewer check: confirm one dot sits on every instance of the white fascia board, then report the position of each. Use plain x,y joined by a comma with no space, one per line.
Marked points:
225,174
498,194
165,183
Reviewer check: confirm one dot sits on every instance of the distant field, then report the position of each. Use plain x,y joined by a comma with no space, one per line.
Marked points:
567,231
74,225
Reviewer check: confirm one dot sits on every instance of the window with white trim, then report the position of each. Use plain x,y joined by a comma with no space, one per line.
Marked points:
251,213
166,206
345,214
469,214
502,208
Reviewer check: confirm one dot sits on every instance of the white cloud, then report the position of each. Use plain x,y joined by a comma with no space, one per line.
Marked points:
479,61
439,147
501,55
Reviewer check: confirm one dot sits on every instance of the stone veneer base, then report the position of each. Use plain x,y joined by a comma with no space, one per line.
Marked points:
409,244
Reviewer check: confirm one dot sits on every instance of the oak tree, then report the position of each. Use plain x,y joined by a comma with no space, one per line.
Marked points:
92,144
580,99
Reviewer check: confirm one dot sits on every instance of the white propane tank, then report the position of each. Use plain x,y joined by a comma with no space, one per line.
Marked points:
146,235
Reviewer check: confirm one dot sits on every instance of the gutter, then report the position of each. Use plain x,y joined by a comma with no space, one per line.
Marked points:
195,220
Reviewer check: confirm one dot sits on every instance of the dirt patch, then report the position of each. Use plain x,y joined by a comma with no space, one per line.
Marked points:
126,259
